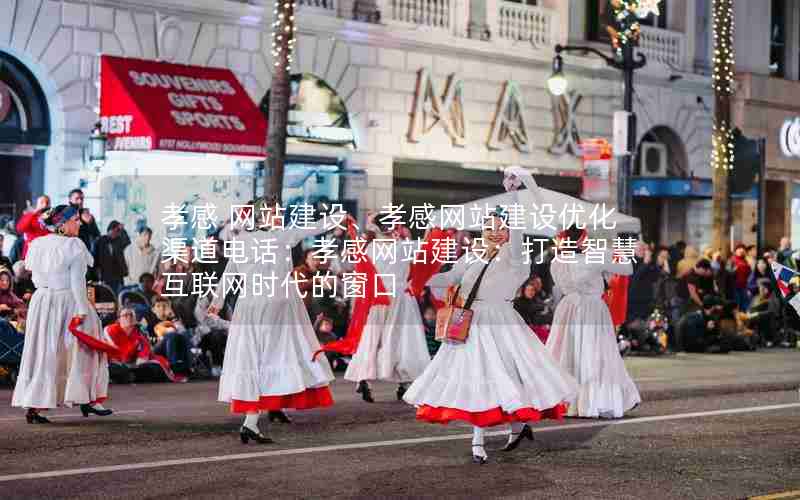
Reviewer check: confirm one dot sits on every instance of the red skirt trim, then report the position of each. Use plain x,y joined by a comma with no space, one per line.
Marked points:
488,418
306,400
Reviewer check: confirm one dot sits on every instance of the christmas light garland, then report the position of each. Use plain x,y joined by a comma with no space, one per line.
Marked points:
723,59
722,142
624,27
722,145
283,27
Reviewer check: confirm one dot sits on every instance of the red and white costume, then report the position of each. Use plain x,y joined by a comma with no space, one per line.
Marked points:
502,374
61,366
268,357
386,336
582,339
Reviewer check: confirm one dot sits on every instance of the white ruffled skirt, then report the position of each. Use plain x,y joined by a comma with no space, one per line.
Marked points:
501,374
392,347
583,342
56,370
269,359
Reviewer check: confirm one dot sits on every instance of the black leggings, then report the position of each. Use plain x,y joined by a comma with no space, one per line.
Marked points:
215,342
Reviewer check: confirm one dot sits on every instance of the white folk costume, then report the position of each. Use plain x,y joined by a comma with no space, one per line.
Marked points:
268,363
57,369
502,373
392,346
583,342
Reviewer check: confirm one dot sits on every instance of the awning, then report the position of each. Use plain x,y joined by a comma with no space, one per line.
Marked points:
149,105
678,188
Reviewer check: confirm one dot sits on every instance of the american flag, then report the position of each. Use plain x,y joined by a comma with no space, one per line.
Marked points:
783,275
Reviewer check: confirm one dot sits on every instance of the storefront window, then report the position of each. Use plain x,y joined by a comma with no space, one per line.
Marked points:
777,39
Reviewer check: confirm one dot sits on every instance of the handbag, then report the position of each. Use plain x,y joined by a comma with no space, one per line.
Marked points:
452,320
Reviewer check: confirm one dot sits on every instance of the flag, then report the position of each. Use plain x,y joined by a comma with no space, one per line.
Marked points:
783,275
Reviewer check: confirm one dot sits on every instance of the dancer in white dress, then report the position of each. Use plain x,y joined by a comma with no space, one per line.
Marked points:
268,363
502,374
582,338
392,346
57,369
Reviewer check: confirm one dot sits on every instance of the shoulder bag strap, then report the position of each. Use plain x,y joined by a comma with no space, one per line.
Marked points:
474,292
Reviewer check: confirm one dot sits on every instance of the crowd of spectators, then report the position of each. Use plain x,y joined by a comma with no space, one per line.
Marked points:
713,304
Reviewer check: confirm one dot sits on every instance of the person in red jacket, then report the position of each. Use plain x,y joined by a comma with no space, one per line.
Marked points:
30,225
133,351
741,271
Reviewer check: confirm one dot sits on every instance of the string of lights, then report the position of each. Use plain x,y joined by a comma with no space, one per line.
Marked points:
722,140
626,26
283,33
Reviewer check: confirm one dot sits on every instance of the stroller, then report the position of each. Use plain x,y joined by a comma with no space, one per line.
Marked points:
11,342
104,301
136,300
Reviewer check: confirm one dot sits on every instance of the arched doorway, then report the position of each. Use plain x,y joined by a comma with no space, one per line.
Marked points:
24,135
317,114
660,158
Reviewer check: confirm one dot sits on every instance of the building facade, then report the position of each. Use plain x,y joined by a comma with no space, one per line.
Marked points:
440,95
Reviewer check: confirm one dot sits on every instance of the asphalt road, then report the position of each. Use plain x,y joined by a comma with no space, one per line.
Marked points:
698,437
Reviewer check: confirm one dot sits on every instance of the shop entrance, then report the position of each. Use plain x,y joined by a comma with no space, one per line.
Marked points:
24,135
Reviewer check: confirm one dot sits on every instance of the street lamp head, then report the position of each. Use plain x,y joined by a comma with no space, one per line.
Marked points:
97,147
557,84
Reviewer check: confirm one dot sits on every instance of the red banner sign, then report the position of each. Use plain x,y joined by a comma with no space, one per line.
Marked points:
149,105
596,170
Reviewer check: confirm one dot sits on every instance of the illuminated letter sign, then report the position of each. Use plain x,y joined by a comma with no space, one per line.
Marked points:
429,109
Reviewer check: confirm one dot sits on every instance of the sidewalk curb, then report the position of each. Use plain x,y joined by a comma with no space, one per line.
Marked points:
718,390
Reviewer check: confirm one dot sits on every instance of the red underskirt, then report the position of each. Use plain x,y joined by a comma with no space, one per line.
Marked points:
310,398
488,418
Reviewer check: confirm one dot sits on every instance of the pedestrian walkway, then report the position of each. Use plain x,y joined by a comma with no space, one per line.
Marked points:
686,374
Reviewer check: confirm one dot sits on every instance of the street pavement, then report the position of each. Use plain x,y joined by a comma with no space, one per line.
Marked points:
710,426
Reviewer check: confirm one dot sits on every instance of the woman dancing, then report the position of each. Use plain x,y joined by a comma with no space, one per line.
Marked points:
392,344
268,362
57,368
582,338
502,374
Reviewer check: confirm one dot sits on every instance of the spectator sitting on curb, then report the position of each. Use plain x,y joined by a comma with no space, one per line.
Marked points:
699,332
764,314
135,360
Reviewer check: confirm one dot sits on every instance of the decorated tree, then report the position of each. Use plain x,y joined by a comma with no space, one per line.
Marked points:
722,141
283,38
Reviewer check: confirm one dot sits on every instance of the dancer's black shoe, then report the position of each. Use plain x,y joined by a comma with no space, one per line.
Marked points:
526,432
33,417
365,391
87,409
478,459
280,417
401,391
246,434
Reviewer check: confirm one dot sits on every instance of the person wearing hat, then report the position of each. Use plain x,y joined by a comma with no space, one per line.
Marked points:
269,364
109,257
392,345
698,331
582,338
57,368
501,374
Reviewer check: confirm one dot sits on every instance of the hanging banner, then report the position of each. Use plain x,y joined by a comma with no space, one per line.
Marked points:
596,170
149,105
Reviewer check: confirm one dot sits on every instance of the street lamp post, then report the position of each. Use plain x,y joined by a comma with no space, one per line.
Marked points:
628,62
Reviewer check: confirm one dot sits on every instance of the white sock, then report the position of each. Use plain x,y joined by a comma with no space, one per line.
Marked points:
477,442
97,406
251,422
516,428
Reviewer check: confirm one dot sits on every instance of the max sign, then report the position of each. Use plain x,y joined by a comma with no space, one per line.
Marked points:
790,138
